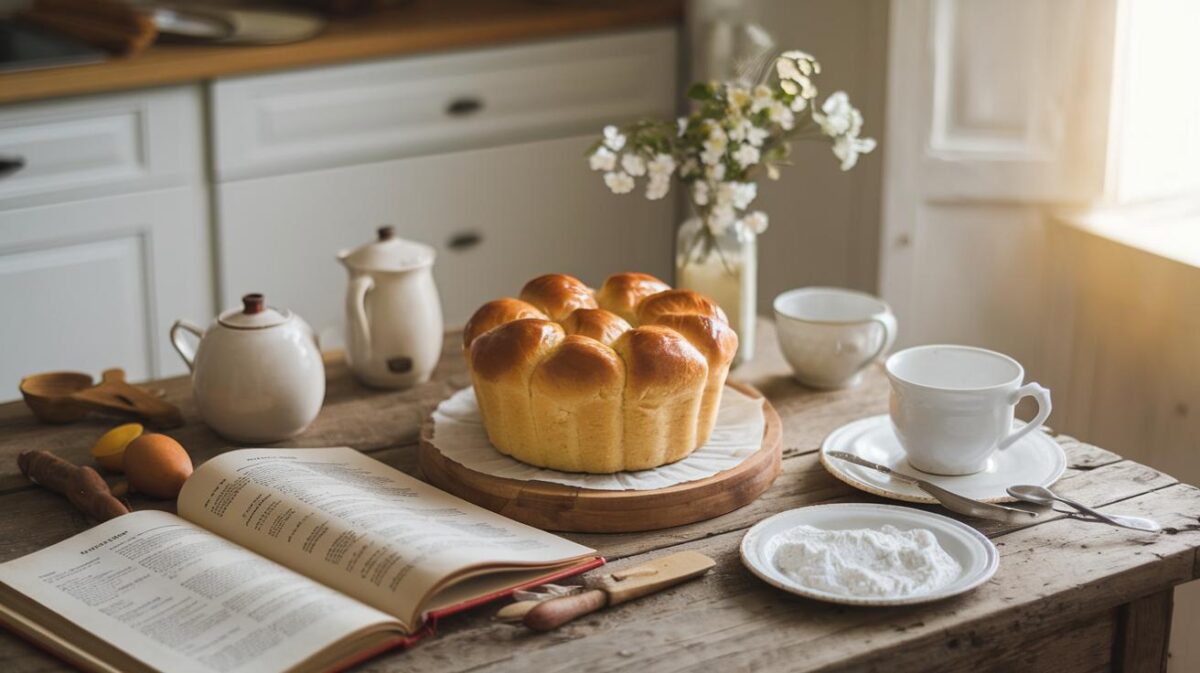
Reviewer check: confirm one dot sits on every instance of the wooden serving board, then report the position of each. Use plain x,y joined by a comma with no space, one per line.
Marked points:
570,508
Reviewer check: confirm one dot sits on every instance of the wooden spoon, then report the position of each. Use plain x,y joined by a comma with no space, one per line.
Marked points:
64,397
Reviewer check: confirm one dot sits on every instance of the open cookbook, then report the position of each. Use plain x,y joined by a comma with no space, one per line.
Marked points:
279,560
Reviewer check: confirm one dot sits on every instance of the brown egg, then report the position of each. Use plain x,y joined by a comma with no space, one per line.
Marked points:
157,465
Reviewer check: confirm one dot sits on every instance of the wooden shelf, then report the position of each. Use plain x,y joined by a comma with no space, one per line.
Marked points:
422,26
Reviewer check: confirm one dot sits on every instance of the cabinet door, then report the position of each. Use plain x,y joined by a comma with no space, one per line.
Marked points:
497,217
93,284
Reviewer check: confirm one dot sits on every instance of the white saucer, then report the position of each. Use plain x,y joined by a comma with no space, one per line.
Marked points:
974,552
1034,459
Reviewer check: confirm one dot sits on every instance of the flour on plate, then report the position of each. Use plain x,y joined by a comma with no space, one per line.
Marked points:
865,563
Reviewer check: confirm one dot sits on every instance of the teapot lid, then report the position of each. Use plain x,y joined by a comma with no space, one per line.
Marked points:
254,314
388,253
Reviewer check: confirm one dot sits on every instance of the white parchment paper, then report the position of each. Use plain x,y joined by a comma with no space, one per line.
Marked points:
459,434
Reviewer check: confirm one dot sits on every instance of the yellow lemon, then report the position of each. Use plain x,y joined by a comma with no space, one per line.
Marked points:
109,450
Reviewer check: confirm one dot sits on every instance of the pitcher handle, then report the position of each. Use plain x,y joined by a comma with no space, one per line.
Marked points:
186,350
1039,393
359,287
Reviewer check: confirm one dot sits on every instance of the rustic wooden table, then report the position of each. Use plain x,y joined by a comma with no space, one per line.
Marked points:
1069,596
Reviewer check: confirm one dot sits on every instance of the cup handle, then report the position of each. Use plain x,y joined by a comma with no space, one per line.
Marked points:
1042,395
186,350
888,322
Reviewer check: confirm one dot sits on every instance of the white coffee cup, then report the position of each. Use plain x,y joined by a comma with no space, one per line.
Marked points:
952,406
829,335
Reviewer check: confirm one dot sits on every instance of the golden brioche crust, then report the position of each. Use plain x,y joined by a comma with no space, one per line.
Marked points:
671,302
565,384
579,367
558,295
718,343
715,339
621,293
512,347
664,385
659,362
495,313
576,396
596,323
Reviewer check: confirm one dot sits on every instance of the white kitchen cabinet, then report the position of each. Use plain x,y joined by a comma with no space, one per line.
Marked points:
479,153
387,109
103,233
95,283
497,217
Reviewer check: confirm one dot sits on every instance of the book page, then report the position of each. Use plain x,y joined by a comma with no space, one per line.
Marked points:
178,598
359,526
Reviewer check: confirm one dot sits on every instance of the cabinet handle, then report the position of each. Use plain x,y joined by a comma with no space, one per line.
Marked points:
463,107
10,164
461,242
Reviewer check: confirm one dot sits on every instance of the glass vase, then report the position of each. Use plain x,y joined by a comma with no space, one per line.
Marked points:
723,267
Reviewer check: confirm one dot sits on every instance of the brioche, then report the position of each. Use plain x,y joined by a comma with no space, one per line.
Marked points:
628,377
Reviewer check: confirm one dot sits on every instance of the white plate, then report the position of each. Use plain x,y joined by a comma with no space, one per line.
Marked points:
974,552
1034,459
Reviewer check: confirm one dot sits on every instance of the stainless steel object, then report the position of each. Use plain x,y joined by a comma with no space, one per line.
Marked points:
1039,495
949,499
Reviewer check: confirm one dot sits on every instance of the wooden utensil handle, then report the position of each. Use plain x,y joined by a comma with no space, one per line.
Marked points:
551,614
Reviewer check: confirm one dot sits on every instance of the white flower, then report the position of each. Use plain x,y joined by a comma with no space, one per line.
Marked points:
716,172
715,132
738,132
613,138
743,193
795,69
786,69
633,164
746,131
780,114
689,167
618,182
756,136
658,186
700,193
798,104
804,61
747,155
847,148
720,219
724,196
836,116
714,147
682,123
763,99
756,222
738,97
772,171
602,160
662,165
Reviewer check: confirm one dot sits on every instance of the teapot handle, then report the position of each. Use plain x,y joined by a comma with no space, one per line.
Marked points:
359,286
186,350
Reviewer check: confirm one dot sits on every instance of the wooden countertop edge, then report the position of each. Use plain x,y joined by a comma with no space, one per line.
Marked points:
343,41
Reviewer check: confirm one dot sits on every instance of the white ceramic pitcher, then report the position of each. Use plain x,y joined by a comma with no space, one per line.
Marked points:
393,313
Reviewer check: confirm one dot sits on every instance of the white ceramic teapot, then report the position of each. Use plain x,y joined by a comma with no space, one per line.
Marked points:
257,373
393,313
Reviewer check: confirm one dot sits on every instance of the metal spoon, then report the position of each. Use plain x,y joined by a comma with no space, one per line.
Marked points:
1044,496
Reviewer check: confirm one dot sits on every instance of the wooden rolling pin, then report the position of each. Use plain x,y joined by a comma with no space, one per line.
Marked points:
618,587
